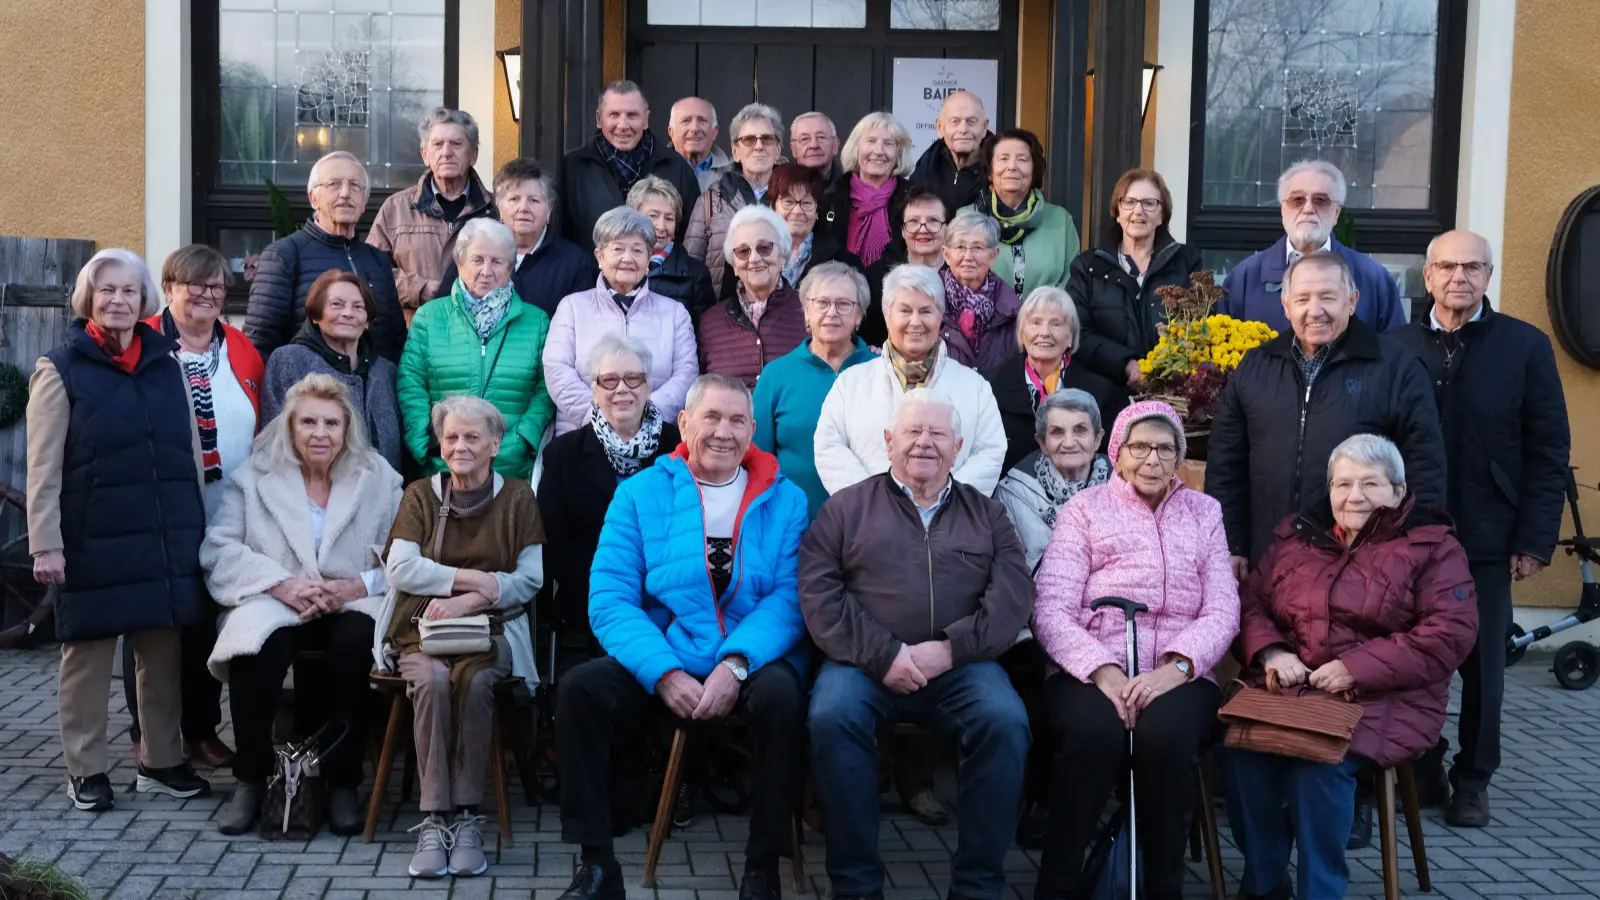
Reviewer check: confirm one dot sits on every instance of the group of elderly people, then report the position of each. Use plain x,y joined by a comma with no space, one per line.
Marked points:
763,477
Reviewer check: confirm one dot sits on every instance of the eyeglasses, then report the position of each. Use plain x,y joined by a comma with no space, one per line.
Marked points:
806,140
762,249
610,380
1473,269
344,184
197,289
960,250
786,204
928,225
1164,452
1321,202
824,305
1148,204
752,141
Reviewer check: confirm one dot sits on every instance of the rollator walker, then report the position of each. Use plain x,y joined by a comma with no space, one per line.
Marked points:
1577,663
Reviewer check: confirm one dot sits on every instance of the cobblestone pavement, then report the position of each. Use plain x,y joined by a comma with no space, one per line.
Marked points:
1545,841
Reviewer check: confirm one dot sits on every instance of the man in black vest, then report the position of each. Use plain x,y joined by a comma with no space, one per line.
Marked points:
953,165
1506,444
596,177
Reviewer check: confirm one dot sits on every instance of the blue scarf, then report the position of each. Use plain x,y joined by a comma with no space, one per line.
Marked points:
487,311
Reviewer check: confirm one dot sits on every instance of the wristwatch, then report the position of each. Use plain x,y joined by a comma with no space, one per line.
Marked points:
739,672
1184,666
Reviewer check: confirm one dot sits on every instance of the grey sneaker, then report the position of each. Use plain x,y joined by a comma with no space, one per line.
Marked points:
433,847
466,847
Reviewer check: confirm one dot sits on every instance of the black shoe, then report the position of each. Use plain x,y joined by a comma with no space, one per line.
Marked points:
1284,891
1361,827
1469,808
92,794
242,809
1033,827
344,812
1433,786
178,781
760,884
683,807
875,895
596,881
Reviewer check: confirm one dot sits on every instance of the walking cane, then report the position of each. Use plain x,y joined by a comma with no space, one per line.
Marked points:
1129,610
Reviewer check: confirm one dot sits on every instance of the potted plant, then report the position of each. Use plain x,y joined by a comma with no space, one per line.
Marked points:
1198,348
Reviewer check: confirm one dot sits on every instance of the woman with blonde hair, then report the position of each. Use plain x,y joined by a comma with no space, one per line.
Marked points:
115,518
857,208
289,556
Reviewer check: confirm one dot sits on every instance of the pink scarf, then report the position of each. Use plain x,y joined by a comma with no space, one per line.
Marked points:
869,218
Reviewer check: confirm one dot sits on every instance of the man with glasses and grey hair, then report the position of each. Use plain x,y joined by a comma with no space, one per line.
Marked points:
1507,443
1311,193
418,225
338,190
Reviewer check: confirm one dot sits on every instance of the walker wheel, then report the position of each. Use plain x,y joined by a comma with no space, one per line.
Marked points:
1577,666
1514,654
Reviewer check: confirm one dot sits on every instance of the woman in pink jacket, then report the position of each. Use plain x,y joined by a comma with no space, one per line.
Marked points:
1144,536
620,303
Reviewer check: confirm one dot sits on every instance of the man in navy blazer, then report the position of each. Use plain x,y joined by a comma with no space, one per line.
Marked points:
1310,194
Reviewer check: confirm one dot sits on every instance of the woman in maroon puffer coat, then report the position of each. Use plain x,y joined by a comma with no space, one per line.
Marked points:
1365,593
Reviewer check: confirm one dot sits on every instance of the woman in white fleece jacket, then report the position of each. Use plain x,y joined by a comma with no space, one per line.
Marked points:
850,444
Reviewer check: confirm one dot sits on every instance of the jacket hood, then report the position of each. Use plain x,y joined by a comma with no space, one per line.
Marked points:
311,336
1139,412
939,158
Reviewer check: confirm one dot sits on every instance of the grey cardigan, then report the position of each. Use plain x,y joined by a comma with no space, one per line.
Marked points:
374,396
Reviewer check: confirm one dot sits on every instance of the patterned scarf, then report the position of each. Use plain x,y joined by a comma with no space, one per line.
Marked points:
973,309
200,368
627,456
1014,223
627,165
486,311
1040,388
1059,490
659,258
869,218
911,374
798,259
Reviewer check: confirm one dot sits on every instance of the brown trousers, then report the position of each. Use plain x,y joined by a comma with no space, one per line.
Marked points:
452,750
84,685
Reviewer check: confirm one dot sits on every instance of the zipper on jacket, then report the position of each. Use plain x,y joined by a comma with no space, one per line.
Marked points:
927,544
1300,445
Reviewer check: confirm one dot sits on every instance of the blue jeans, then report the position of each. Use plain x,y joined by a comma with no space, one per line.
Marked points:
1319,800
973,705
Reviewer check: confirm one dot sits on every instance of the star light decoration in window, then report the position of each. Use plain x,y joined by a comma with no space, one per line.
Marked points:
334,88
1319,109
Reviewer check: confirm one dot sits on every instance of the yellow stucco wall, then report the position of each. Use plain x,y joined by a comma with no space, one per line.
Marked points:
1552,160
74,97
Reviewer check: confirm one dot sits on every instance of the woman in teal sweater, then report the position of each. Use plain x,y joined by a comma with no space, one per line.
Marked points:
484,341
789,394
1038,241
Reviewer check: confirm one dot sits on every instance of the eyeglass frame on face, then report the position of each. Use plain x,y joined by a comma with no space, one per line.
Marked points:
1473,269
743,252
826,305
339,184
1148,204
610,380
197,289
960,250
752,141
1161,450
917,226
789,204
1319,202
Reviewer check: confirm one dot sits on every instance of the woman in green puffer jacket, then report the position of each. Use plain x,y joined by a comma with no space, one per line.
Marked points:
484,341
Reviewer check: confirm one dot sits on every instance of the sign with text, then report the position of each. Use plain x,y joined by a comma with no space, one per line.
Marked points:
920,86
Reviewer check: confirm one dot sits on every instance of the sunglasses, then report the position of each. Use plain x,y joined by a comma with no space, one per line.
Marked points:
610,380
762,249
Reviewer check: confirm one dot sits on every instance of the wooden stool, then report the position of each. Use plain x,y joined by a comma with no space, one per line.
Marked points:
662,827
399,712
1388,839
1203,829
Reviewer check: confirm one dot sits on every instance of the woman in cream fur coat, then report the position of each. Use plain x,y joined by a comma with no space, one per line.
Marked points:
291,557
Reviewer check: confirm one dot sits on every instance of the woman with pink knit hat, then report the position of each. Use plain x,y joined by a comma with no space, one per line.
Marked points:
1144,536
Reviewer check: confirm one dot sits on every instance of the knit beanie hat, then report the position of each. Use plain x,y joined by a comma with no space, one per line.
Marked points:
1143,411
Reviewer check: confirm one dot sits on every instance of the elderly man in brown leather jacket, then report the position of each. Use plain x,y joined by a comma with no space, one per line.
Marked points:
913,584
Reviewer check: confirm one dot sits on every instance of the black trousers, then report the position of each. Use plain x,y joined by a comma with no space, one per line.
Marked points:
255,685
599,705
199,692
1483,679
1027,665
1092,764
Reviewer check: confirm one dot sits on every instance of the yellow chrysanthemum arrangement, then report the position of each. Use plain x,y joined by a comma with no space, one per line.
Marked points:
1198,348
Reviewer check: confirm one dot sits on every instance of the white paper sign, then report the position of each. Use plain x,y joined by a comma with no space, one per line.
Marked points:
921,85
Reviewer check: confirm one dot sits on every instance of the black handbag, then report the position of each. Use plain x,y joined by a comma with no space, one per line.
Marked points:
296,796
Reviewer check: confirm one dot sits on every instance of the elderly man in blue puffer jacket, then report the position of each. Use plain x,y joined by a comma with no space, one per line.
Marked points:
693,596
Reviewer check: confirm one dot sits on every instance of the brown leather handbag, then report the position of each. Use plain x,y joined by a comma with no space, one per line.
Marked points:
1309,724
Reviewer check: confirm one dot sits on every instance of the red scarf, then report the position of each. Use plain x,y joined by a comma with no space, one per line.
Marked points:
1040,387
125,358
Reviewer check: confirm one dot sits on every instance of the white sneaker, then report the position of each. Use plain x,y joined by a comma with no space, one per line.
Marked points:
466,846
